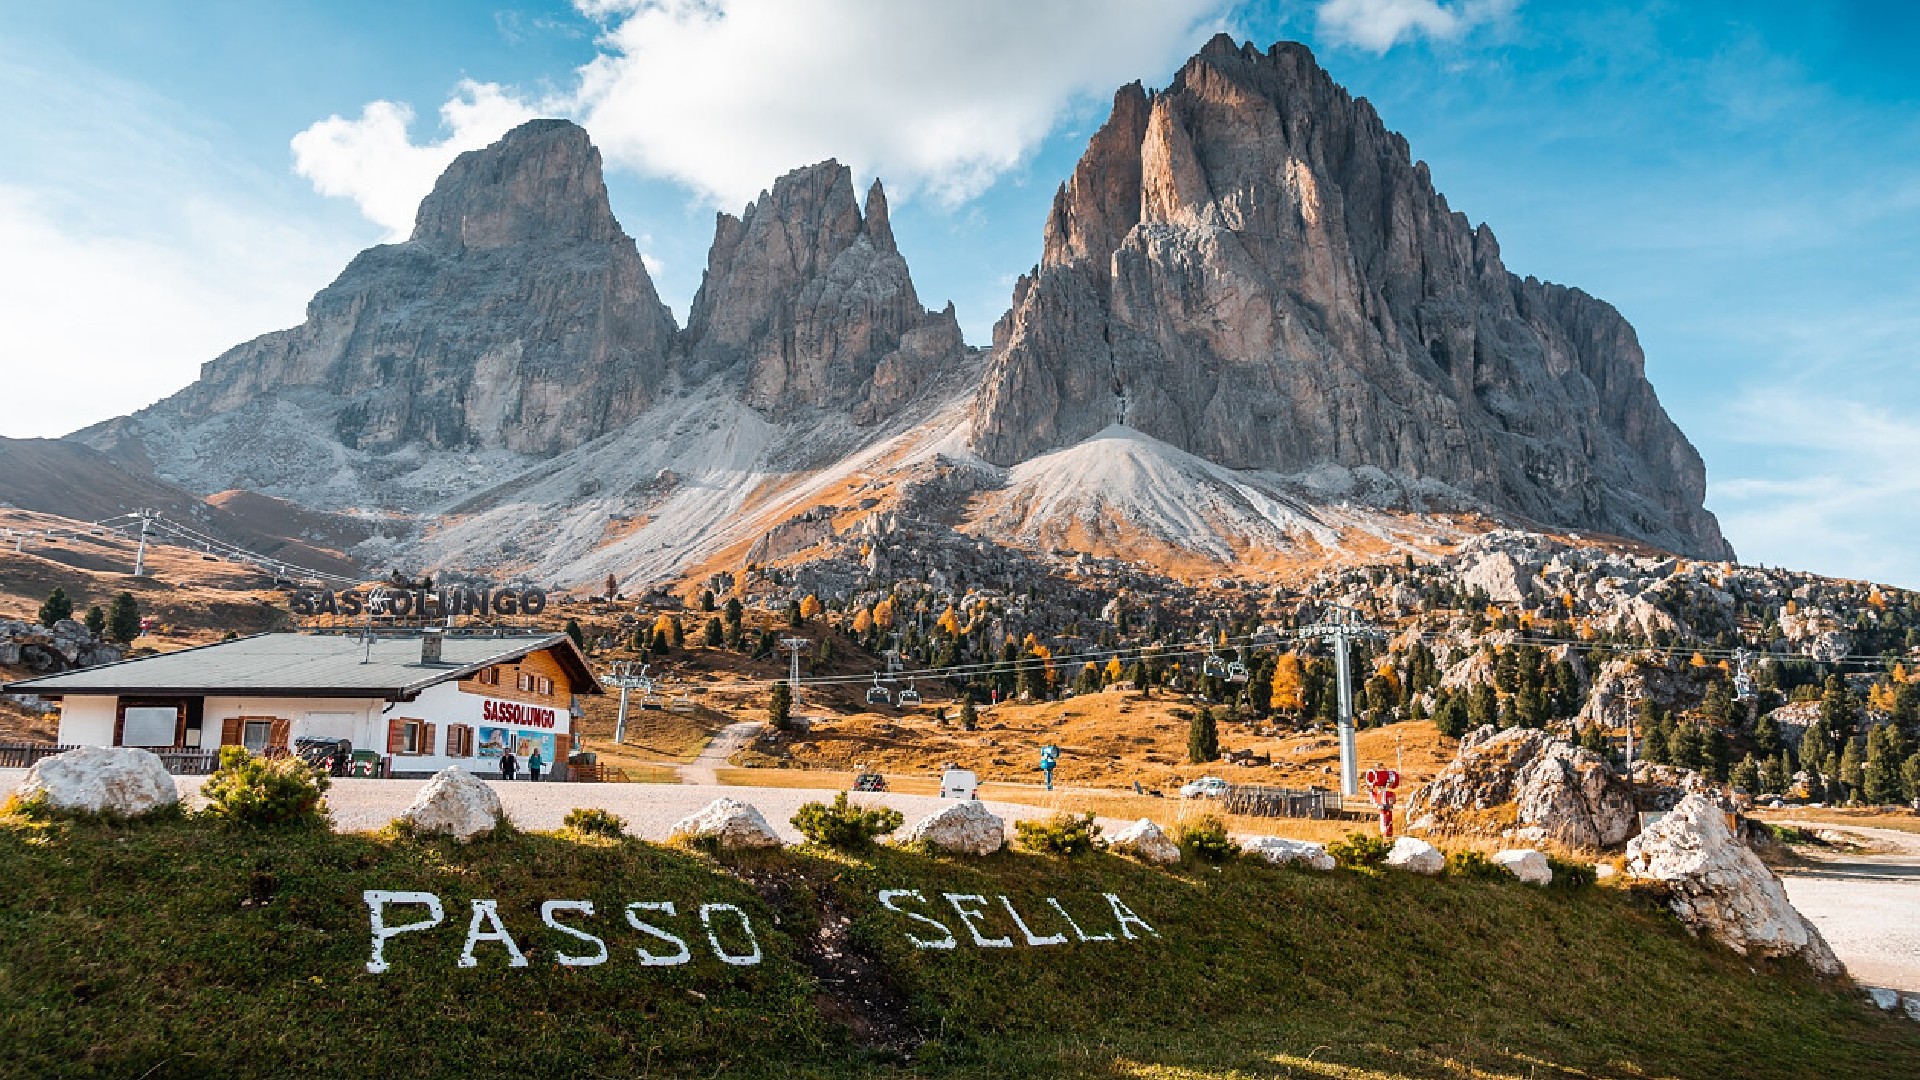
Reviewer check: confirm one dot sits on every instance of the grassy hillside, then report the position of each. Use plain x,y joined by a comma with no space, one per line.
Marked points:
177,949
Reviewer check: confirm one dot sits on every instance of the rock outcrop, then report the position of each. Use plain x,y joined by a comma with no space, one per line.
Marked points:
118,781
454,803
1248,265
1720,888
728,823
518,317
1526,783
1147,842
811,302
965,828
47,649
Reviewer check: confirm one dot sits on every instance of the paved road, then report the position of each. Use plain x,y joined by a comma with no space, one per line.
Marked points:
1867,906
730,738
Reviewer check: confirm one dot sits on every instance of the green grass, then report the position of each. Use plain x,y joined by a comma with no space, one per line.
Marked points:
179,949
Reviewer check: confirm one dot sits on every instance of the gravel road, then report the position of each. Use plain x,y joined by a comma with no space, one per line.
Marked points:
1866,905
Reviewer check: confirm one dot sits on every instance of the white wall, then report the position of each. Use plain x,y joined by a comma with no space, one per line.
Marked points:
88,721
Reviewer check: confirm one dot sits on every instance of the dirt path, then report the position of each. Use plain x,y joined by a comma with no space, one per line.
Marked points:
1867,905
701,770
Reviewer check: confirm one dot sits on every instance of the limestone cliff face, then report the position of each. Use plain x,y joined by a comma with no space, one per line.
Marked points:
1249,266
811,304
517,317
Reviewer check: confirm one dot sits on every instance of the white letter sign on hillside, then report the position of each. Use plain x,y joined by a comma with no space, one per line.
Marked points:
974,911
584,907
377,901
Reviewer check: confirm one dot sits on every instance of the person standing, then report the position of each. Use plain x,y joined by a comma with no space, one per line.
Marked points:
534,764
507,765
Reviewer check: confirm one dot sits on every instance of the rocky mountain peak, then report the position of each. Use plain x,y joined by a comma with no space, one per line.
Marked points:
1249,266
811,303
541,182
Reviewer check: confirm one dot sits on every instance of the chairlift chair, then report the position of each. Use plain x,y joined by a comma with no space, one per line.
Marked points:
1213,667
681,704
910,697
877,694
1237,672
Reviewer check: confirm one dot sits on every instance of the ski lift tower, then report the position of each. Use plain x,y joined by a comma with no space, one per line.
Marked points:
794,645
627,675
1344,627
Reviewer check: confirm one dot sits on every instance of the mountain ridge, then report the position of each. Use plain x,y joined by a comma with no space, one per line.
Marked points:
1246,270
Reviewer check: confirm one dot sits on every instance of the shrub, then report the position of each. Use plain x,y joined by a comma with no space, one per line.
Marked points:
253,790
593,821
1571,875
1358,850
1473,864
1205,838
844,826
1062,834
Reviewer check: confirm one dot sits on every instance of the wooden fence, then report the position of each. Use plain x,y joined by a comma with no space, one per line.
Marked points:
180,762
1256,801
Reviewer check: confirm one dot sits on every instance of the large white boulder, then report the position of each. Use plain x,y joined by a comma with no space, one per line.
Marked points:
1281,851
455,803
1719,887
123,781
1526,864
1147,842
728,823
1416,855
965,828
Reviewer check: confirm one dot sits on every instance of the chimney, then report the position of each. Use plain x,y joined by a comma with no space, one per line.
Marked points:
430,640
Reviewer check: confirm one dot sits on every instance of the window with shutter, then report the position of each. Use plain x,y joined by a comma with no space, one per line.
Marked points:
396,736
427,741
230,731
280,734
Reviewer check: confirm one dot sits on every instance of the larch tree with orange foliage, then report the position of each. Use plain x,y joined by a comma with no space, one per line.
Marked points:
1289,684
810,607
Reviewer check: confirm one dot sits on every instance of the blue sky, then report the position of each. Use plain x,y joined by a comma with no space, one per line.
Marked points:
1741,179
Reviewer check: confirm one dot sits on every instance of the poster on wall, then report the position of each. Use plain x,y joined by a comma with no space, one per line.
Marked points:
493,741
526,742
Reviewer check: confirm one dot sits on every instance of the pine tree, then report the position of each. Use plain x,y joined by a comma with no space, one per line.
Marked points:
1718,706
1766,736
613,587
1851,770
793,613
56,607
123,619
1839,711
969,716
96,621
1777,776
1910,778
1689,748
578,635
1483,706
706,600
780,706
1203,737
713,637
1880,775
1746,776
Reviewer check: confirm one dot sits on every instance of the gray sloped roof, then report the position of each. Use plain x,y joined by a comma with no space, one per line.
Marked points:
307,665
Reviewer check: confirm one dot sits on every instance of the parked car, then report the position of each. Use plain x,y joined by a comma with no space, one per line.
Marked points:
1207,787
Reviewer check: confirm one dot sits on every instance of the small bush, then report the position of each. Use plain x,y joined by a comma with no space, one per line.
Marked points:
1205,838
844,826
1473,864
593,821
1062,834
34,807
1359,850
1571,876
251,790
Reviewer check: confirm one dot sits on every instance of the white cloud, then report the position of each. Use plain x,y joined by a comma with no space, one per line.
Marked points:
726,95
133,248
1829,481
1379,25
100,324
374,161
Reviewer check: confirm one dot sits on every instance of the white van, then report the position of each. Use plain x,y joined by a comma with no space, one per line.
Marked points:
959,784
